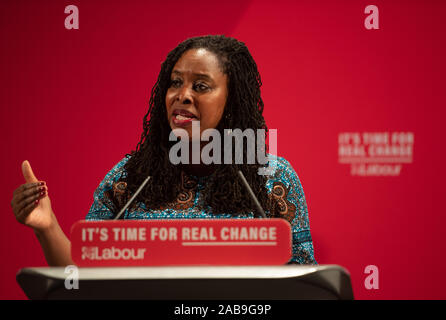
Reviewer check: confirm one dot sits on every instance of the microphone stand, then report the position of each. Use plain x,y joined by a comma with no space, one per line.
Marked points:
259,208
132,198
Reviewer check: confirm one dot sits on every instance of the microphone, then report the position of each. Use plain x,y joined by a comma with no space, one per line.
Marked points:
240,174
132,198
252,195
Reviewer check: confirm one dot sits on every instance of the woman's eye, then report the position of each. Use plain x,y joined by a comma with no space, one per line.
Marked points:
200,87
176,83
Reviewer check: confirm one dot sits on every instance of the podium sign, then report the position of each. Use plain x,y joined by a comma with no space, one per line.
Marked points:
181,242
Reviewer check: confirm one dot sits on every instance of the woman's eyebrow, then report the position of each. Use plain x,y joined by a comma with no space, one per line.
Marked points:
197,75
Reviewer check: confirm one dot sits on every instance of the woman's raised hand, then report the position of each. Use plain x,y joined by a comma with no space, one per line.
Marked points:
30,202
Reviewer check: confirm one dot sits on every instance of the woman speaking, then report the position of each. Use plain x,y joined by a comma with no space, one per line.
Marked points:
210,80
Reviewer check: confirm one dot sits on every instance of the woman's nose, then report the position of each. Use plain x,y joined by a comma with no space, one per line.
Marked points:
185,96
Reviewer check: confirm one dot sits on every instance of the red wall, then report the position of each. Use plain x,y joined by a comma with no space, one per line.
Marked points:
72,103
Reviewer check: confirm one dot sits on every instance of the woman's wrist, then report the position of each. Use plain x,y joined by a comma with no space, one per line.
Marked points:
48,229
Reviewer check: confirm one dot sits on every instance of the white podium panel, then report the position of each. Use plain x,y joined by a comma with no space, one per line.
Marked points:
288,282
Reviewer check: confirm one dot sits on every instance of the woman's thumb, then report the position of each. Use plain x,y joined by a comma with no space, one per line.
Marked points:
28,172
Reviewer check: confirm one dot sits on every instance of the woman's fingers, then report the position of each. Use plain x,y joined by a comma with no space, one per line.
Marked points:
26,198
31,195
27,186
23,214
26,190
32,191
28,206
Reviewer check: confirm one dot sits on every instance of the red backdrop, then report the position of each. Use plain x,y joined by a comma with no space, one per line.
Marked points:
72,103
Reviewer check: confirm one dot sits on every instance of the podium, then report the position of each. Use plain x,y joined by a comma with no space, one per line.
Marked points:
284,282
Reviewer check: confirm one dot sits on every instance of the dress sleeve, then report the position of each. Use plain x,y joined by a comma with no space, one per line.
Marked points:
104,201
288,202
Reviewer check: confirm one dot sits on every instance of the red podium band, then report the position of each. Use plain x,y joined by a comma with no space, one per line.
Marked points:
181,242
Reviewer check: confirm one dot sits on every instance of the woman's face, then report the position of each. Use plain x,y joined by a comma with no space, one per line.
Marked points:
197,92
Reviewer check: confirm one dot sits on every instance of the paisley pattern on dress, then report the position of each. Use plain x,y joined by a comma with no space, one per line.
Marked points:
280,205
117,196
186,196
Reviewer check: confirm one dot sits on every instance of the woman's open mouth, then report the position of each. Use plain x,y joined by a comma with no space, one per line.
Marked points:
182,118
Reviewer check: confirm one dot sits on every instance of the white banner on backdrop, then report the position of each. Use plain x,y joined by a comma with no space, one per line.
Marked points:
375,153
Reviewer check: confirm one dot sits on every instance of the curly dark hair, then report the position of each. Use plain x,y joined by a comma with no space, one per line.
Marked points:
223,192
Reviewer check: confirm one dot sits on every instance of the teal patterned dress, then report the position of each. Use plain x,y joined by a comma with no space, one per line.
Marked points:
283,187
